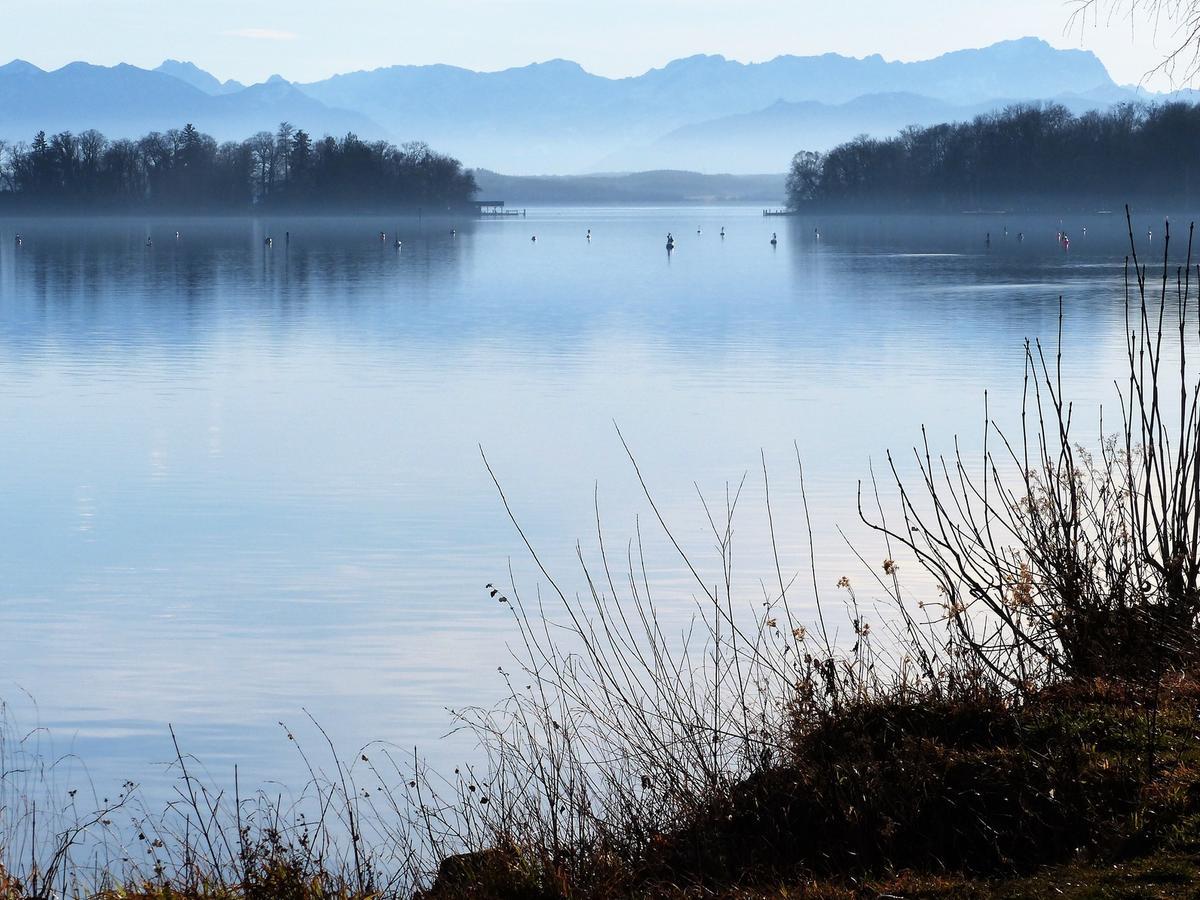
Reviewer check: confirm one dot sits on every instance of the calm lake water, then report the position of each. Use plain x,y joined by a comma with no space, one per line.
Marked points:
239,483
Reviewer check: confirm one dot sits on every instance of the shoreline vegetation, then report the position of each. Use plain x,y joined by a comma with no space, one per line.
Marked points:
185,169
1026,157
1027,725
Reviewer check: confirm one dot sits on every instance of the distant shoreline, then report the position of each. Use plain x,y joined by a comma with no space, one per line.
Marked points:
655,186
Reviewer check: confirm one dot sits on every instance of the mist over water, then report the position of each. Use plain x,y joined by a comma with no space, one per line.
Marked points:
240,482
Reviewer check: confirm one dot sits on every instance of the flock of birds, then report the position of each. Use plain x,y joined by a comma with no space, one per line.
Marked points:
398,244
1063,238
699,231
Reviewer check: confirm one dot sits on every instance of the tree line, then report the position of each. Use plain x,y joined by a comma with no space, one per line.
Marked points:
185,169
1027,156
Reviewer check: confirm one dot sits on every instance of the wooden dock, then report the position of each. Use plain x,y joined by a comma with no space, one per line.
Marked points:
496,208
779,212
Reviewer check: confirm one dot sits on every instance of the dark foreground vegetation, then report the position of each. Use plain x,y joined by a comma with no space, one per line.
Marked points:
1028,157
1026,724
188,171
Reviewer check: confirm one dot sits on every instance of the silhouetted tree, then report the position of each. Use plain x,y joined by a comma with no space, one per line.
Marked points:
185,168
1026,156
805,176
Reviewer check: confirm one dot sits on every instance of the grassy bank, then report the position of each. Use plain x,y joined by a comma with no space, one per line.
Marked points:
1026,723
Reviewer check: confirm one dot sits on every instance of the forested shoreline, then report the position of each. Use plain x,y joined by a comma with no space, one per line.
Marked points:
1027,156
187,170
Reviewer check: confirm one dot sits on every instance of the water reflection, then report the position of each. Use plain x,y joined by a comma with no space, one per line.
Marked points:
240,480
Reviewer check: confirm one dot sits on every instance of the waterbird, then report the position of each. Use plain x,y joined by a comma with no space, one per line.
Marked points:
398,243
774,239
817,233
670,242
382,236
453,232
722,231
697,230
176,235
149,243
20,240
534,238
589,234
268,242
1020,236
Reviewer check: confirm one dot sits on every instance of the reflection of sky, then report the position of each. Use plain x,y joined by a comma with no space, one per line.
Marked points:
240,481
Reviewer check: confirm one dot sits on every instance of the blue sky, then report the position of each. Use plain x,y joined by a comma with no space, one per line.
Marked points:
306,40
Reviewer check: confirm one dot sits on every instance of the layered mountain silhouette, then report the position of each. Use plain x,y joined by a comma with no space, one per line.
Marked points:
125,101
198,78
705,113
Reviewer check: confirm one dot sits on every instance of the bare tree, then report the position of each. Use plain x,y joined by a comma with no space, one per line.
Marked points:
1178,19
262,146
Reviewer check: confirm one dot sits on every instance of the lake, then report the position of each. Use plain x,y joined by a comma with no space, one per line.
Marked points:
244,482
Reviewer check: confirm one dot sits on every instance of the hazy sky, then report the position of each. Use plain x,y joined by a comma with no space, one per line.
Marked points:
306,40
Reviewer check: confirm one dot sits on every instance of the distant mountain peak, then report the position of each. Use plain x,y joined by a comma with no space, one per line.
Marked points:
1030,44
697,61
1026,48
190,73
559,63
20,67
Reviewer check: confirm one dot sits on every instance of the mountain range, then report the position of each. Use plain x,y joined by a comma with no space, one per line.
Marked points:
706,113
